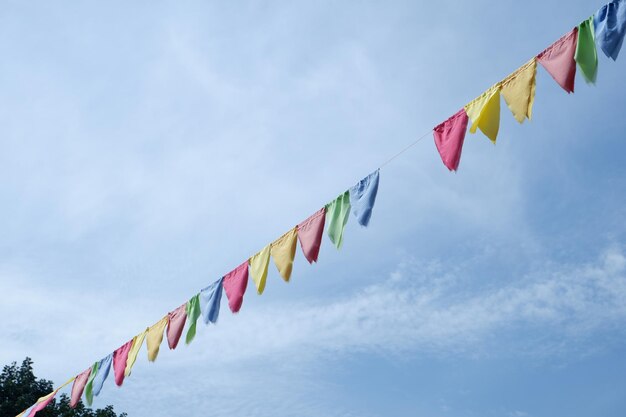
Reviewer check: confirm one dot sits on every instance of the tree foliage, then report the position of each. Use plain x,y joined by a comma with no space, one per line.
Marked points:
20,388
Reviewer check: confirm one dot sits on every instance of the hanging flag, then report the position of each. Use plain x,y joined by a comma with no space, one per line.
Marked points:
586,54
120,357
363,197
89,386
337,212
310,234
518,90
175,325
79,386
41,404
558,60
484,112
103,372
210,298
155,337
610,27
449,137
134,351
258,268
235,283
283,250
193,312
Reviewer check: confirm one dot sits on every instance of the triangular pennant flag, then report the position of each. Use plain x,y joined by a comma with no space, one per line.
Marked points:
363,197
134,351
610,27
518,90
449,137
89,386
586,54
120,357
43,401
558,60
210,298
337,212
258,268
283,250
175,325
484,112
79,386
310,234
193,312
103,372
235,283
155,337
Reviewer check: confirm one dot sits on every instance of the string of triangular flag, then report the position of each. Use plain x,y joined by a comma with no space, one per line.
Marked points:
606,28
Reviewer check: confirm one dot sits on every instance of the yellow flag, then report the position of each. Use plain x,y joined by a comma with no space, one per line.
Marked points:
134,351
258,268
155,337
518,90
484,112
283,251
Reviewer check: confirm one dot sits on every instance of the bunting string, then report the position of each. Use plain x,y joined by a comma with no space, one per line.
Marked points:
606,29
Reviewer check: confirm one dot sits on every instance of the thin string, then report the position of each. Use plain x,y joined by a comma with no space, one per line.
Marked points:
409,146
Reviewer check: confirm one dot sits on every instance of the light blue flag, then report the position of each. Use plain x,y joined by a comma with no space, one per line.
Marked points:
103,372
610,27
363,197
210,298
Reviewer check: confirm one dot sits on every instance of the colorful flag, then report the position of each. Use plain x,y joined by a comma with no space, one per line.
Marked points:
449,137
610,27
258,268
79,386
103,372
363,197
337,212
210,298
558,60
120,356
235,283
155,337
586,54
518,90
484,112
175,325
134,351
310,234
89,386
193,312
283,250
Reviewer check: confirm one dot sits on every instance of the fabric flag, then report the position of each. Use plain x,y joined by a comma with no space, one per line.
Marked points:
79,386
310,234
484,112
518,90
283,250
175,325
89,386
363,197
558,60
43,402
155,337
235,283
120,357
103,372
210,298
258,268
337,212
134,351
610,26
586,54
449,137
193,312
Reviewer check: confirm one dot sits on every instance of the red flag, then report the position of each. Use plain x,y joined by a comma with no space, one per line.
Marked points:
558,60
449,137
310,234
235,283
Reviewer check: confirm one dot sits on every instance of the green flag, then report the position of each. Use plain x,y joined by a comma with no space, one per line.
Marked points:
586,53
193,312
89,387
337,213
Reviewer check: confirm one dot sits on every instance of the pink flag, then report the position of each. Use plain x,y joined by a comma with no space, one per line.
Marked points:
43,404
449,137
558,60
175,325
119,361
310,234
235,283
79,386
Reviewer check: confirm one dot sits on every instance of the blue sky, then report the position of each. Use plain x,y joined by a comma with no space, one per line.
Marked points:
149,148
